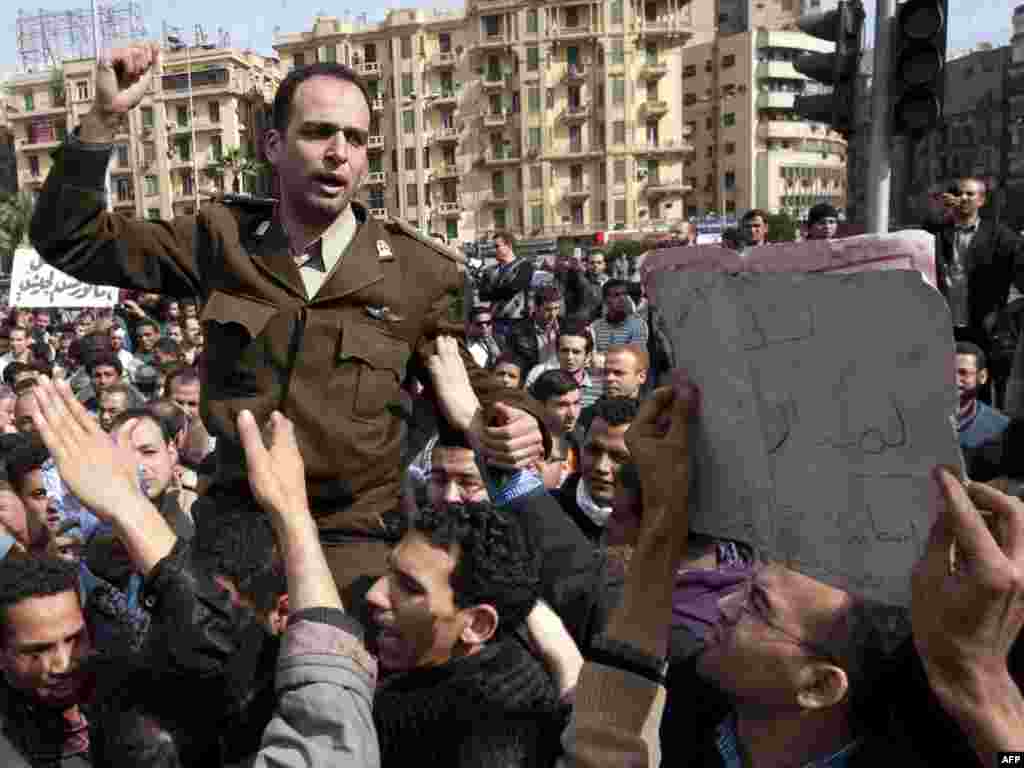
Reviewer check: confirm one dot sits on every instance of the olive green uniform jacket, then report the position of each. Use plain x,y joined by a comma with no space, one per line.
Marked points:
332,364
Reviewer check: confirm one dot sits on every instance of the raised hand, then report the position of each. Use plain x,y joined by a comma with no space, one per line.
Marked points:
451,383
122,79
277,474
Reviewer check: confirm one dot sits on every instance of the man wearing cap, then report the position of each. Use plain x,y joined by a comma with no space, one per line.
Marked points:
822,222
311,306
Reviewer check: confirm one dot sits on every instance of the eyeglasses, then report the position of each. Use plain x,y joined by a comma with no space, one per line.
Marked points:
746,605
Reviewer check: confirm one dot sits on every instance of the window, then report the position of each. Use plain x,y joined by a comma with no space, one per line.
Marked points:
707,65
619,132
330,54
603,208
618,90
534,138
412,194
299,60
599,97
184,147
452,230
408,121
152,186
709,151
689,99
532,26
730,180
410,158
122,155
691,127
536,177
153,214
82,90
729,60
33,164
444,42
147,117
550,98
616,13
498,183
217,148
426,157
500,218
730,148
407,47
214,109
376,164
537,216
620,211
729,119
618,54
533,99
30,102
707,123
182,116
406,84
532,58
690,70
149,153
602,173
491,25
620,172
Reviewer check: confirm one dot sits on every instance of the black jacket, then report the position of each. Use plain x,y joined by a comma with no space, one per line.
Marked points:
581,295
596,534
522,341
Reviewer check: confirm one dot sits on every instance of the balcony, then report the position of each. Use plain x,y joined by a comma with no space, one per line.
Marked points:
449,208
664,28
575,32
124,202
775,100
505,157
201,124
657,187
446,171
574,151
575,113
377,105
493,197
492,81
370,70
652,70
375,141
38,144
377,177
576,192
379,213
446,133
443,98
664,147
492,40
655,107
53,110
495,120
177,161
443,60
575,73
778,70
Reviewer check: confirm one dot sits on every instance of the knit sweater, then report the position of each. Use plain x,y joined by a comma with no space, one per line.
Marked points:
497,707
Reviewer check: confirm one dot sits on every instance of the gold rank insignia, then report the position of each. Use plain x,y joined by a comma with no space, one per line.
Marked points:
384,252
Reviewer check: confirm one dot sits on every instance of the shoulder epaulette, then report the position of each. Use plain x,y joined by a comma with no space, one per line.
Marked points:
398,225
248,201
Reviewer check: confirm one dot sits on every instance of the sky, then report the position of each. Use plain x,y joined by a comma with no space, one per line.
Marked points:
971,21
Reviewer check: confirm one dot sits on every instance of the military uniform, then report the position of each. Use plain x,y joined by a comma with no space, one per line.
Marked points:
333,363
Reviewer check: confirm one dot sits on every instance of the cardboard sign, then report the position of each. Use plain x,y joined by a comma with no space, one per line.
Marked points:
827,399
34,283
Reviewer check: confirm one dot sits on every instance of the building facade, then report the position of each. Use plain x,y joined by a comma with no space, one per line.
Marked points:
179,148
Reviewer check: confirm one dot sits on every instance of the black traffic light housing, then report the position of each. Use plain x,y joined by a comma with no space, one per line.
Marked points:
916,85
844,26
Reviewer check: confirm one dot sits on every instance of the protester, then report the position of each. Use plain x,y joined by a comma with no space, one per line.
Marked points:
113,401
510,370
20,351
581,294
147,335
506,285
533,339
597,268
822,222
977,422
560,394
575,350
619,325
623,375
480,339
754,227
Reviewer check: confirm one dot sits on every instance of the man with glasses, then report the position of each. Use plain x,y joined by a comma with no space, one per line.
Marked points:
480,336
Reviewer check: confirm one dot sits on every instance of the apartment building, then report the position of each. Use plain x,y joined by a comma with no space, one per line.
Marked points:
548,119
175,150
752,150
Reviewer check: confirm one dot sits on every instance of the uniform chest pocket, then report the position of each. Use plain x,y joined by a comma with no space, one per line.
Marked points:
375,364
231,325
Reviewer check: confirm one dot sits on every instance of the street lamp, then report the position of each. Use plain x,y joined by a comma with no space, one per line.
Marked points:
177,44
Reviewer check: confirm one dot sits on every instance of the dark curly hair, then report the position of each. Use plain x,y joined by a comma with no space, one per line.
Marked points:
494,562
24,577
236,541
25,456
616,411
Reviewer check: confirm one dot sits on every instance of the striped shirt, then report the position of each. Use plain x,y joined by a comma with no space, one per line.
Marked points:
632,330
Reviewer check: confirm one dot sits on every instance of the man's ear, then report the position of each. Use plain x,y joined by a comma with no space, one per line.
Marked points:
481,624
982,376
822,685
279,614
273,146
643,376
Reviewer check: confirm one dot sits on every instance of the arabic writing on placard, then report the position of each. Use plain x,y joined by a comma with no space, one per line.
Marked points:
34,283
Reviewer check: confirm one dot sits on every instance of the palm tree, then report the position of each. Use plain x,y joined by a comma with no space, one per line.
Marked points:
15,215
234,164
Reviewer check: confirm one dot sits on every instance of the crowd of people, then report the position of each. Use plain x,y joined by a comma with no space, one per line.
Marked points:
294,501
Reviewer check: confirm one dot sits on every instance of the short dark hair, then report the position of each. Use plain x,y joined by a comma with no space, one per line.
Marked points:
285,96
613,283
146,321
141,413
169,346
637,351
969,348
22,578
577,327
822,211
494,564
506,237
186,373
514,359
236,541
482,309
615,411
754,213
26,456
104,359
553,383
13,369
171,416
120,388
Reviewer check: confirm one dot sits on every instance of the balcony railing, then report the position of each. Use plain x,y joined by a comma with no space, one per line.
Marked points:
575,73
443,59
576,113
447,171
658,186
377,105
446,133
377,177
375,141
493,196
576,191
379,213
665,146
449,208
656,107
492,39
443,97
492,80
653,69
370,69
501,157
495,120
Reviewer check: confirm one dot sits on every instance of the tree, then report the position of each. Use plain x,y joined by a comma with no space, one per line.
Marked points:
781,228
15,215
234,164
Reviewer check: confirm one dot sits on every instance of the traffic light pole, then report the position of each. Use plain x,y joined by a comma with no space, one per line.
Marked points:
879,152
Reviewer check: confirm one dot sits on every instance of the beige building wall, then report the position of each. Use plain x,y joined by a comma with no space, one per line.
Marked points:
152,172
561,118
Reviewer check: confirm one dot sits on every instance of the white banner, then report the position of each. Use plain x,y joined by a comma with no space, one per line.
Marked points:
34,283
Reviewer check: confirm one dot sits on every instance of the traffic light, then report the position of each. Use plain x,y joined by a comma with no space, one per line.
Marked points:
843,26
918,66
